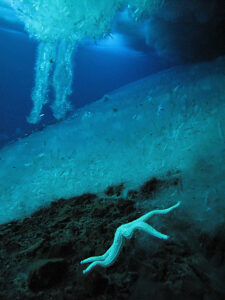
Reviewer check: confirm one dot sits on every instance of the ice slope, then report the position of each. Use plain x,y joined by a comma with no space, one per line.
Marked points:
170,123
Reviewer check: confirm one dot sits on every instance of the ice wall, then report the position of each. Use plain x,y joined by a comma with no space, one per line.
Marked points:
169,124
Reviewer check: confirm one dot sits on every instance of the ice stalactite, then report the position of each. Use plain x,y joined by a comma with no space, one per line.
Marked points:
45,58
53,67
62,78
58,25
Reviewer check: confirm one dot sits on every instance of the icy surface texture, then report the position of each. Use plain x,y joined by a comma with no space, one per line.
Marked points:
169,123
46,53
53,20
58,25
53,58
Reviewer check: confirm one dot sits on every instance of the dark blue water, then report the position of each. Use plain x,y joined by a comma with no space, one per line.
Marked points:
96,72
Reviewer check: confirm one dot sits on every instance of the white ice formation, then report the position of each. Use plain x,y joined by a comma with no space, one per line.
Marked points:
58,25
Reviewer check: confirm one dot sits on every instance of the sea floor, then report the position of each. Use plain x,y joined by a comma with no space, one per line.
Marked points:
172,121
40,255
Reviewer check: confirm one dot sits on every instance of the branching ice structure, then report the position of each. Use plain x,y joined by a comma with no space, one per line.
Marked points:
58,25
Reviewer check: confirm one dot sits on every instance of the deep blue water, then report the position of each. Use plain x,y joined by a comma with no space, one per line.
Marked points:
96,72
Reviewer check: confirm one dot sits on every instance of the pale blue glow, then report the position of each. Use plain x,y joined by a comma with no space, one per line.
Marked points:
59,25
115,43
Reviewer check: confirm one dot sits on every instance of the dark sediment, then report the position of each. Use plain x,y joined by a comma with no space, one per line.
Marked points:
40,255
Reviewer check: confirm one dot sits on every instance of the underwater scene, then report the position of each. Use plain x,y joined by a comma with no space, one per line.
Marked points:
112,149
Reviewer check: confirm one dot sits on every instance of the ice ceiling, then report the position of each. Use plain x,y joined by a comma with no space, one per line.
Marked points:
59,25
